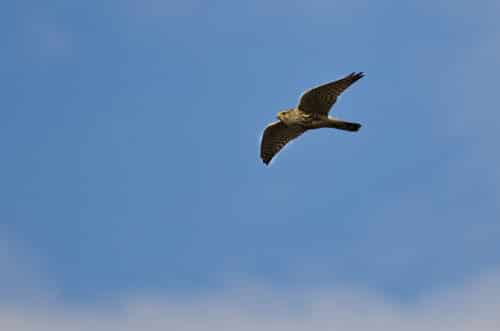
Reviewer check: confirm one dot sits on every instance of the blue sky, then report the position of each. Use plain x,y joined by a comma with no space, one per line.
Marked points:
130,131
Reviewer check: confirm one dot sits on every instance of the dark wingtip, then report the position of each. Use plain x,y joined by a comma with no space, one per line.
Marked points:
358,75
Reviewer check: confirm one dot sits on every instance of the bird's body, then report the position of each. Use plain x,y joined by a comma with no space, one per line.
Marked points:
314,121
311,113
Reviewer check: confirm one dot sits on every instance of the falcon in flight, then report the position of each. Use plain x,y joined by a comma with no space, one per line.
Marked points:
311,113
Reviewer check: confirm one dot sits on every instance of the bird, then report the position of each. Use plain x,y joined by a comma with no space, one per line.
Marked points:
311,113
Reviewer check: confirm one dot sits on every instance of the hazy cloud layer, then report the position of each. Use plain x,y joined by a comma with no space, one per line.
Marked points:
473,307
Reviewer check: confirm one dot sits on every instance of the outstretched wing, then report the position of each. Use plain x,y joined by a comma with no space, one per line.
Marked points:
320,99
276,136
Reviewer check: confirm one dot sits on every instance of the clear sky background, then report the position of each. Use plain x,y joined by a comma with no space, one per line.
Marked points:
130,170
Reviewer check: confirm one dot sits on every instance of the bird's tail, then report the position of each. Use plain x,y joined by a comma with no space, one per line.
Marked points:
342,125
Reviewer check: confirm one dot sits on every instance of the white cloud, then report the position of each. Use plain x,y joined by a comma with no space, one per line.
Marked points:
473,307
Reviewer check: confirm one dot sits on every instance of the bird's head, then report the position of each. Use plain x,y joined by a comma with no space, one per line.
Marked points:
282,115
